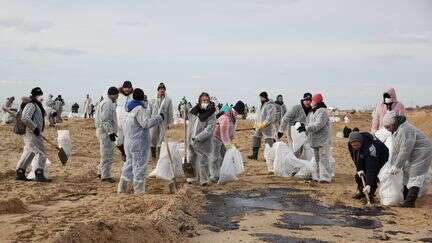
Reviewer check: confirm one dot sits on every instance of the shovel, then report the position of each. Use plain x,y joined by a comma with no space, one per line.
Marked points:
245,129
61,153
366,194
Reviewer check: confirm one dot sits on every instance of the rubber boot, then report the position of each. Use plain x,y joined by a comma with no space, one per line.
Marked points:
20,175
153,152
405,192
158,150
122,151
254,155
411,197
122,186
40,177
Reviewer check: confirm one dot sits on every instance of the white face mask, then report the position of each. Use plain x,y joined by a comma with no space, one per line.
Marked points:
204,106
387,100
40,98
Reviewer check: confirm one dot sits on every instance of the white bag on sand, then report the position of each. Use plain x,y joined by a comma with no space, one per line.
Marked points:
64,141
238,160
32,175
286,164
305,172
390,189
163,168
298,138
232,166
269,156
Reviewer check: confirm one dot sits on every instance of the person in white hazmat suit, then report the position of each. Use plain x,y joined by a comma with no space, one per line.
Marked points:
87,107
202,121
281,111
125,96
157,133
412,153
297,113
51,110
319,135
8,112
106,131
223,135
263,125
138,121
59,103
33,116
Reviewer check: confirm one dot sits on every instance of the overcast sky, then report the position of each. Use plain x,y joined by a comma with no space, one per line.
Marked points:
348,50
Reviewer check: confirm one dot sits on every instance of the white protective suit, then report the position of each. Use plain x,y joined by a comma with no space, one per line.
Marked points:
51,110
157,133
296,114
8,116
88,107
137,144
318,129
267,114
200,151
281,110
121,110
58,106
106,124
34,147
412,152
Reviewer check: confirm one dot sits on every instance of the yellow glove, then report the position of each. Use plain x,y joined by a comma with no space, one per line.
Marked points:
261,126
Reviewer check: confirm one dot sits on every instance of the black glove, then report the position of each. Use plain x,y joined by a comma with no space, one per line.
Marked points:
36,131
162,115
112,137
280,135
302,128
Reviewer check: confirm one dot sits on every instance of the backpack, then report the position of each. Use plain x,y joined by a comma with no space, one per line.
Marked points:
19,127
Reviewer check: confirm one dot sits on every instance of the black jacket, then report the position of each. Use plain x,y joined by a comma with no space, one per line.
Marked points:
371,157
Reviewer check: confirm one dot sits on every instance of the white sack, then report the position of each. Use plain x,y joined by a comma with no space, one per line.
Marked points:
163,168
64,141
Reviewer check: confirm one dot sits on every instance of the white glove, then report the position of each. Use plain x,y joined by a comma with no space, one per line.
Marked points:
394,170
361,173
367,189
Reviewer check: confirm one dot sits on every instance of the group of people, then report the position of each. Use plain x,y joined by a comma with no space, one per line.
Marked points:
311,113
54,109
137,126
126,119
411,152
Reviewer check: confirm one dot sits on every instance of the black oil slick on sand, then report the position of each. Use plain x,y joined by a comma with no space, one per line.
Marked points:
300,212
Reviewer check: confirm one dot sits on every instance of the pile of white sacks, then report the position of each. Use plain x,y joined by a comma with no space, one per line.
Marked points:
281,161
169,165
